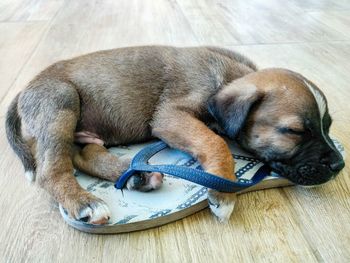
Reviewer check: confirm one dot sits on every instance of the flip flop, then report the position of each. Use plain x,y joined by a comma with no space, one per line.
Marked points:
184,189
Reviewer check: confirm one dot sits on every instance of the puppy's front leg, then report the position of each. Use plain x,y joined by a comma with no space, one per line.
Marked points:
183,131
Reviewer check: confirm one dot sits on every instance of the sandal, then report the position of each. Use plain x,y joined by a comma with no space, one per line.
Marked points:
184,189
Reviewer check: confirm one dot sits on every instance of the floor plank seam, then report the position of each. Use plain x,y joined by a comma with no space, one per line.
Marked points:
42,38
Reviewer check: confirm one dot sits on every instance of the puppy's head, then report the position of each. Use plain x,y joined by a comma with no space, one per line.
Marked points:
283,119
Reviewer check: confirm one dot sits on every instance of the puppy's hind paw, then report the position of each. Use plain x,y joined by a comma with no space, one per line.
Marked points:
96,213
221,204
145,181
87,208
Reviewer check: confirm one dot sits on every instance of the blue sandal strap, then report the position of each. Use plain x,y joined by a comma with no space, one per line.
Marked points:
139,164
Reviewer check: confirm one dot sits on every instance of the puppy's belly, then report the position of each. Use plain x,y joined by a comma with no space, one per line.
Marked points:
117,115
106,131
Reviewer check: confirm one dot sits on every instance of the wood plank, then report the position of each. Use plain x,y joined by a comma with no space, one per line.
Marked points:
28,10
326,5
336,20
262,229
17,43
230,22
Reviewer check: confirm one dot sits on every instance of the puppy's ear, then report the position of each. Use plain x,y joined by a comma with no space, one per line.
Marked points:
231,105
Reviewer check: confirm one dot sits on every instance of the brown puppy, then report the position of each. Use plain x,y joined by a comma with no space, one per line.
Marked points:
133,94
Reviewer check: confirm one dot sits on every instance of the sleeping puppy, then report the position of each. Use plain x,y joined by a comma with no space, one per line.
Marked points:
130,95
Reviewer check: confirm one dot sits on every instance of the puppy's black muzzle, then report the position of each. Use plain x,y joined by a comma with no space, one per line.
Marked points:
315,164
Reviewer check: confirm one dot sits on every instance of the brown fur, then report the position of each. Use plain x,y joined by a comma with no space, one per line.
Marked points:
97,161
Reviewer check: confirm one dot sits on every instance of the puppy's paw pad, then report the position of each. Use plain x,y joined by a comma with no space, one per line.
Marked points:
96,213
145,181
221,205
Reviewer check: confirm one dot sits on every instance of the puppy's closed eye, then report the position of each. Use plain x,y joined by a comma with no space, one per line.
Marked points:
293,131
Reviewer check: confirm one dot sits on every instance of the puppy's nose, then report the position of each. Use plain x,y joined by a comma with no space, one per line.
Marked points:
337,166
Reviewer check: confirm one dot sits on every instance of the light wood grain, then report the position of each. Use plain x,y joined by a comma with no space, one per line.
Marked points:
290,225
16,48
249,22
28,10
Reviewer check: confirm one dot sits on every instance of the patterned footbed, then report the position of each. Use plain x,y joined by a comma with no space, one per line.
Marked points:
132,210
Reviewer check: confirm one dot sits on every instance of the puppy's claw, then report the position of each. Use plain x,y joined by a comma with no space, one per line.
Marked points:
30,175
221,204
96,213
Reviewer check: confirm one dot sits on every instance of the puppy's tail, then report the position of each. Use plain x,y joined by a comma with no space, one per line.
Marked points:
14,136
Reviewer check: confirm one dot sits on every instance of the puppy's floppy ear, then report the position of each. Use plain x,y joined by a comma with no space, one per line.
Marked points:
231,105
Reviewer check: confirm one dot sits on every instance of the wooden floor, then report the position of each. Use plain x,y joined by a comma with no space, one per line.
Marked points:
279,225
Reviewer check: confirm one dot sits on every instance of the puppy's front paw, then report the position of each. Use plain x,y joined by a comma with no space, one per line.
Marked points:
221,204
89,209
145,181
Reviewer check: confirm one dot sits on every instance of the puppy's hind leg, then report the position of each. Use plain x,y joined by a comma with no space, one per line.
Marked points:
53,127
95,160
